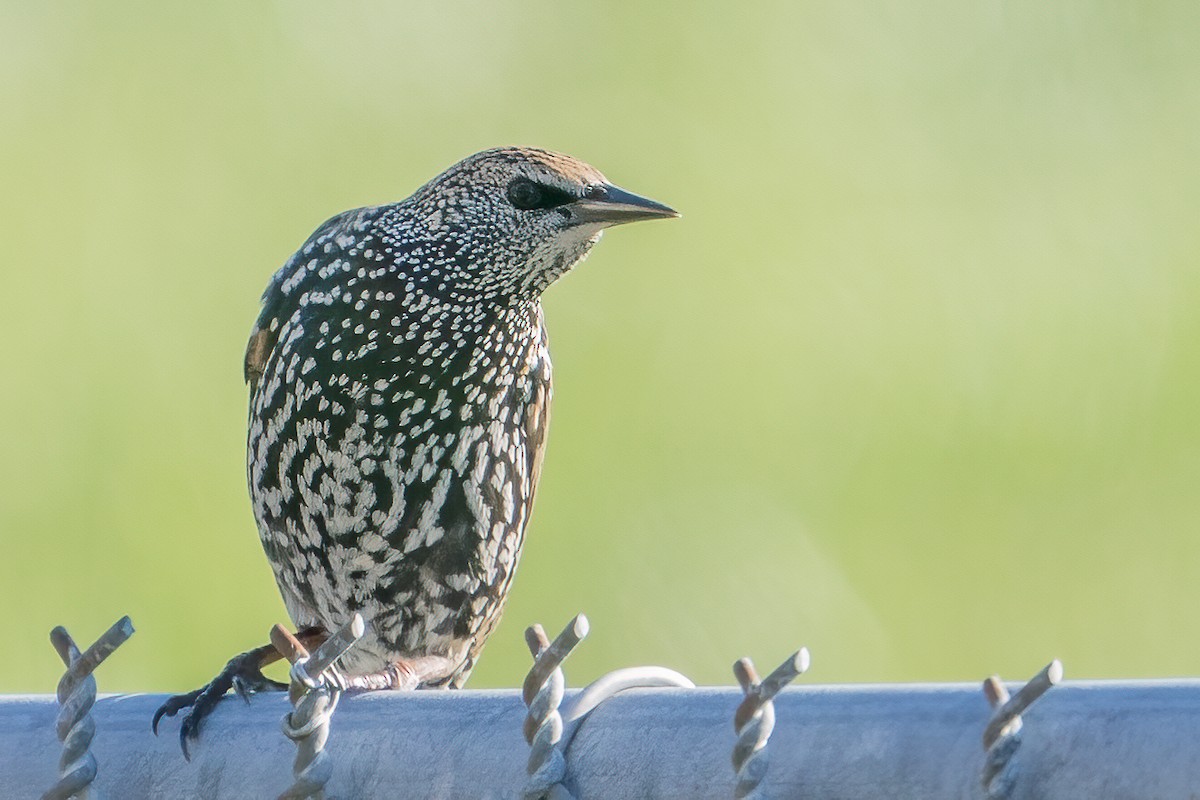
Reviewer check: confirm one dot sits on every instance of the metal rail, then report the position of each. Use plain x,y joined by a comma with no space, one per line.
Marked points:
1126,740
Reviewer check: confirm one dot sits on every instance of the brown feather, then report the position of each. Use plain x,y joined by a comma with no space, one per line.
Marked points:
258,349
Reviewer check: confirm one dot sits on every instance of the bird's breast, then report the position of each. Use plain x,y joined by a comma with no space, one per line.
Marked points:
398,439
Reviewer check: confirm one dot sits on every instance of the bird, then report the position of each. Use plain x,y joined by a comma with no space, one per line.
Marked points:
400,390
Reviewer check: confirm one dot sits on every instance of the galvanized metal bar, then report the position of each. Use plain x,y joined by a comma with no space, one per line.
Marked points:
1084,740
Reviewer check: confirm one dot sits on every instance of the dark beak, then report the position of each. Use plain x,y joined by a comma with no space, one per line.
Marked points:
608,205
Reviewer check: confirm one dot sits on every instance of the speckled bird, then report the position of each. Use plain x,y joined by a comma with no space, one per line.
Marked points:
400,396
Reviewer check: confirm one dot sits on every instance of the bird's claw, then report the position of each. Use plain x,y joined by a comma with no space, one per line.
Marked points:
243,674
173,706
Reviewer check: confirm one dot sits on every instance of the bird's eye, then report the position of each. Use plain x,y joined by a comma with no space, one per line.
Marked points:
524,193
527,195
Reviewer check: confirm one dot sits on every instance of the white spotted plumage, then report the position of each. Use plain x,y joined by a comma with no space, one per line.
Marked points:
399,409
400,399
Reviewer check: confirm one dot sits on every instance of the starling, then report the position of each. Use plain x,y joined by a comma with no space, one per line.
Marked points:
399,399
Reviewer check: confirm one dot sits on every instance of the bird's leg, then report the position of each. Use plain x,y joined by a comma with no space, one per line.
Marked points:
405,674
243,674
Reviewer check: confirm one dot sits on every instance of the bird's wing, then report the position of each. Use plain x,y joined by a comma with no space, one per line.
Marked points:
537,417
535,428
279,299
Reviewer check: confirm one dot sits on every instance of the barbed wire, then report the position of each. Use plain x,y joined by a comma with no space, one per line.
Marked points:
754,720
75,727
316,687
1002,736
543,693
314,692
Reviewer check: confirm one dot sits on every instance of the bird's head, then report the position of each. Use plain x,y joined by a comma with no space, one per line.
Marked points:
513,220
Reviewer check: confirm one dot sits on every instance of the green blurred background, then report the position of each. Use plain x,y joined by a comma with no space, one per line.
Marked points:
915,381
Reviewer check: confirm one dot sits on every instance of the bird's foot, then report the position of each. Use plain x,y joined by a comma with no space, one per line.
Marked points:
243,673
405,674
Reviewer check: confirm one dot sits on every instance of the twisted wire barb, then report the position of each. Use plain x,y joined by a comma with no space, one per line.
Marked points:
755,719
1002,736
76,695
314,692
542,693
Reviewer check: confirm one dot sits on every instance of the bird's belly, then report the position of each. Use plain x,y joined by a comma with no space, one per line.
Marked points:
424,548
429,616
